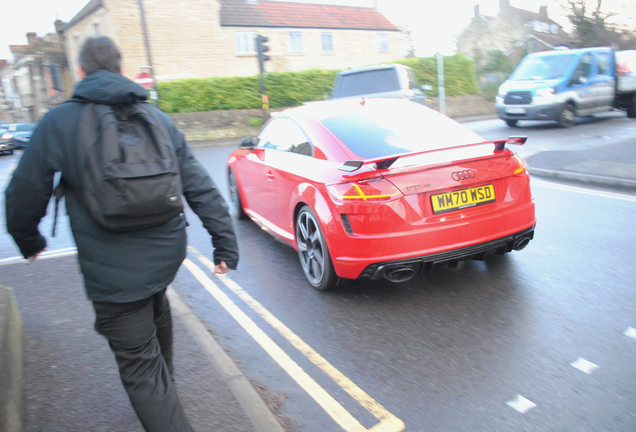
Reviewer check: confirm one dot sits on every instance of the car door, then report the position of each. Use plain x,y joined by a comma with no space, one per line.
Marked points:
580,84
603,81
256,175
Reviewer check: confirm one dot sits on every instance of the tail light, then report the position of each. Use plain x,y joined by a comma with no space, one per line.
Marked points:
376,190
520,167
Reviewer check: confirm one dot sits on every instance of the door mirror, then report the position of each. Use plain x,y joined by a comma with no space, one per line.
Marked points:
247,142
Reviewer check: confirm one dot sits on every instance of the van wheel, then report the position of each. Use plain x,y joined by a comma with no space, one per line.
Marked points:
511,123
567,116
236,198
313,253
631,109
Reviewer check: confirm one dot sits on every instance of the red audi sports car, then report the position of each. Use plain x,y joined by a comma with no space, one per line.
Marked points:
372,188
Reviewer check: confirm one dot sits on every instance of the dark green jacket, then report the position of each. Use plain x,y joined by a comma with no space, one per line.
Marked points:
117,267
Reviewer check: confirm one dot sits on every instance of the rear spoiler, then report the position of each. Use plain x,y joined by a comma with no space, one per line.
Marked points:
386,161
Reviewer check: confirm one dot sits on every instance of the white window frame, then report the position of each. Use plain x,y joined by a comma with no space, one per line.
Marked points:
327,42
383,42
244,43
296,42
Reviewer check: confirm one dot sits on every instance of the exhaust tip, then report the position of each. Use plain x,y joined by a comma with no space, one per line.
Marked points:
521,243
399,274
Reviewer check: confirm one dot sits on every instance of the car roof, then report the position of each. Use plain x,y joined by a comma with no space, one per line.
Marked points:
372,68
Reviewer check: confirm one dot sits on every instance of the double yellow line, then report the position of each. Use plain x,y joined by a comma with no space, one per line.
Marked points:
387,421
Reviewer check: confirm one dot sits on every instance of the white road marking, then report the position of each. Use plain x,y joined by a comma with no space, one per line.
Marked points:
521,404
613,195
388,422
584,365
58,253
630,332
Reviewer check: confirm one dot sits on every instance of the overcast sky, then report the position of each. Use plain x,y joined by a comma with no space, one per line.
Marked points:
435,24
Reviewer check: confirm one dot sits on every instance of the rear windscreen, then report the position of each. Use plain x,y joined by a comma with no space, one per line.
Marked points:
377,133
367,82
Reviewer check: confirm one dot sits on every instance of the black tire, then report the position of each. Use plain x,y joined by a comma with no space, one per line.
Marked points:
511,123
631,109
236,198
566,116
313,253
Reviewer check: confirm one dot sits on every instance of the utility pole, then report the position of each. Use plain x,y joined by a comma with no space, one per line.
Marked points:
440,80
153,91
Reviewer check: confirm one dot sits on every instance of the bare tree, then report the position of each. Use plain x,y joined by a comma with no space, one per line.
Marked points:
595,27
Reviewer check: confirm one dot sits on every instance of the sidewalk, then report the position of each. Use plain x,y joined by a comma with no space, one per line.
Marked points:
612,166
71,381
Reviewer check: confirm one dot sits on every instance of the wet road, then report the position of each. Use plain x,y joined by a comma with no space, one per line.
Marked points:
485,346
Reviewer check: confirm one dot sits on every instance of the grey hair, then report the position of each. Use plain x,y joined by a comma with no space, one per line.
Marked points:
100,52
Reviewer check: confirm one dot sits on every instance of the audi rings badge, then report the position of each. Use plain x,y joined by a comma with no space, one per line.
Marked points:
463,175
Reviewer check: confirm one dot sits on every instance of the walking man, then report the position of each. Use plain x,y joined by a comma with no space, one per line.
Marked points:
126,271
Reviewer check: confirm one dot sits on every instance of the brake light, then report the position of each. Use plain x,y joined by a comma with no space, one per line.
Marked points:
376,190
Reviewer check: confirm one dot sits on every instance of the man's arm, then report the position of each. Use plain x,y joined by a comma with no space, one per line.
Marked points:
28,193
207,202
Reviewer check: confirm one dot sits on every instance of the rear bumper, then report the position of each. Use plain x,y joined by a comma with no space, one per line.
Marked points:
420,264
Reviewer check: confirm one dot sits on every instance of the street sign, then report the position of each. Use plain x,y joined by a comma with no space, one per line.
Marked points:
145,80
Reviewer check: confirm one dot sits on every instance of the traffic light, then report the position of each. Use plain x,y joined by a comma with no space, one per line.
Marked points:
261,49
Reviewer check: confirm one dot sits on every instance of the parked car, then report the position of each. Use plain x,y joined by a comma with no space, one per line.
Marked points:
16,136
380,188
562,84
385,81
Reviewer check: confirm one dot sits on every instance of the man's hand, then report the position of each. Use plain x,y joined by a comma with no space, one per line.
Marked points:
221,268
32,258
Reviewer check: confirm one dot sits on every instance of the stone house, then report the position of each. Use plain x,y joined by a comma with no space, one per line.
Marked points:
516,32
35,80
204,38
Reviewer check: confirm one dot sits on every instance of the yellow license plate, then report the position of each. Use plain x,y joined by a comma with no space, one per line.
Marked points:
463,198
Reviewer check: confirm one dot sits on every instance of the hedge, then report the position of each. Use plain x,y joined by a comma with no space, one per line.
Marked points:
287,89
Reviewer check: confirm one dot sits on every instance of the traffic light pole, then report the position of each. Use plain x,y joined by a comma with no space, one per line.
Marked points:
261,49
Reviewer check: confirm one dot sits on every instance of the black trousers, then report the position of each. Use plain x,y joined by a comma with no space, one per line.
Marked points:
140,335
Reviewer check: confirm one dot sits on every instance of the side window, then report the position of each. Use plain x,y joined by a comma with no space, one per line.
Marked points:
413,83
584,68
603,63
283,134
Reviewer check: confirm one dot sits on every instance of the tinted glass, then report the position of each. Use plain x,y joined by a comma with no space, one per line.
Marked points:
538,68
368,82
383,132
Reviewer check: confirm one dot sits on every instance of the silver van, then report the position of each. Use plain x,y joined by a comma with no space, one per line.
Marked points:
384,81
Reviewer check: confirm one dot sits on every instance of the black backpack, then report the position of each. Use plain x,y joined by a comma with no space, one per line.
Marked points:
128,172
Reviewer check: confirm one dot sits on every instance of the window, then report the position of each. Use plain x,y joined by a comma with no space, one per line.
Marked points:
96,27
603,61
584,68
327,42
244,42
283,134
295,42
383,42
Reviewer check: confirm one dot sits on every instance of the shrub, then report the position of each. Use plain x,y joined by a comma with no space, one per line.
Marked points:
287,89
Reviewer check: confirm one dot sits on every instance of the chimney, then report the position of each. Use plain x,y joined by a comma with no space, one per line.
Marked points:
504,4
543,12
477,11
375,5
